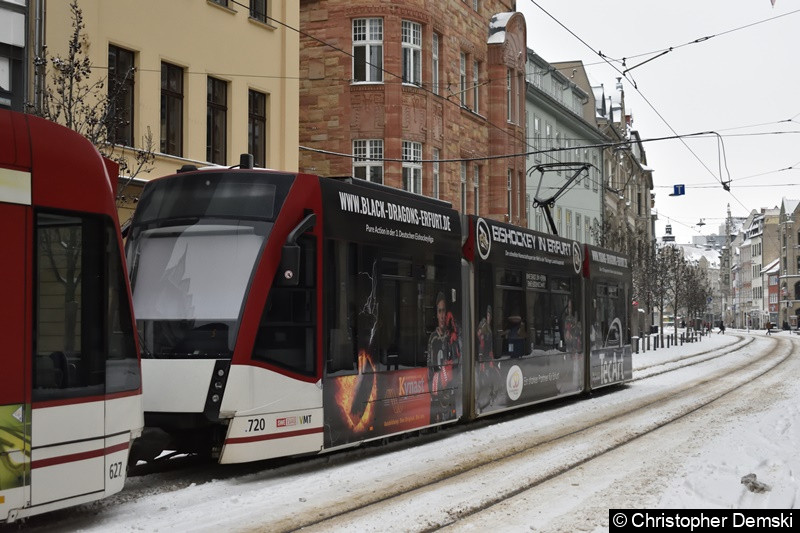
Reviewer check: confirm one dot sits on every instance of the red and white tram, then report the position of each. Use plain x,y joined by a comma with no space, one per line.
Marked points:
70,390
283,314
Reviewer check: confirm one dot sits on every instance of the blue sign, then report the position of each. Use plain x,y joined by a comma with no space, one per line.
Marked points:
678,190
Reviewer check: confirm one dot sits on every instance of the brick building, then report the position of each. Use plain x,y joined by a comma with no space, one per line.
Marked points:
425,95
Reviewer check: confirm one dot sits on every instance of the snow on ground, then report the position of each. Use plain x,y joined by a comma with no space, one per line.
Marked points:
703,460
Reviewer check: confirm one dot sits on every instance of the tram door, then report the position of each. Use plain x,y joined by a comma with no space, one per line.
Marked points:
83,352
14,344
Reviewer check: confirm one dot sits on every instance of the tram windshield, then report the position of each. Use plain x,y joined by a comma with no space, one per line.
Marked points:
189,282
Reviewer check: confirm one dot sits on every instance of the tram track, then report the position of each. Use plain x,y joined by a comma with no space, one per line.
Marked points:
516,455
540,458
662,367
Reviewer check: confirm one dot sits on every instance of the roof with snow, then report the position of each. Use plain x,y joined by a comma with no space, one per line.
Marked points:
693,253
772,268
790,206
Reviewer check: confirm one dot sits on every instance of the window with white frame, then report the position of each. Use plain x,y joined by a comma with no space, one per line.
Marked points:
558,220
508,187
578,228
463,186
436,158
462,72
476,179
586,231
475,87
568,234
368,160
548,136
509,98
537,135
557,154
590,172
368,50
412,167
435,64
412,52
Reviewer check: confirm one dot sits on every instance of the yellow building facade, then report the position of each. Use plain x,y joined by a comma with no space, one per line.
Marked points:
212,78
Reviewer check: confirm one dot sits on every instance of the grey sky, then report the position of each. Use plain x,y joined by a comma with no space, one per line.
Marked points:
743,84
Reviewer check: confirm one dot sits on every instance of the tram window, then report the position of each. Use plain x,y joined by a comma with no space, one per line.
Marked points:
122,367
401,335
511,313
610,325
82,311
288,322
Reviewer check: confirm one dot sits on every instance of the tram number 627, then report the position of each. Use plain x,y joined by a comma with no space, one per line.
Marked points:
115,470
256,424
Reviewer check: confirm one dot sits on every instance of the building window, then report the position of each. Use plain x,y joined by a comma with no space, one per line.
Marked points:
258,10
509,99
537,136
463,79
578,228
548,136
463,187
217,121
475,86
568,234
559,221
221,2
435,64
557,154
412,52
171,109
120,95
476,180
368,160
368,50
257,127
5,74
412,167
508,187
436,173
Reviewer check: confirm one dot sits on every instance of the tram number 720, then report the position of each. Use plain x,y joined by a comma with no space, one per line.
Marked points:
256,424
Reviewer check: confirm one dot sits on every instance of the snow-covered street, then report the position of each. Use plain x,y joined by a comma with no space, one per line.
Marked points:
683,434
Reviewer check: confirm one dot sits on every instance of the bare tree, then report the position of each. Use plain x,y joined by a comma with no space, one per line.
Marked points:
72,96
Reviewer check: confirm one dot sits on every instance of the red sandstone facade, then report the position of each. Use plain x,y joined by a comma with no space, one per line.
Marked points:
338,106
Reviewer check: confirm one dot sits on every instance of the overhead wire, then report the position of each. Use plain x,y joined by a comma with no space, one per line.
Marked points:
385,71
505,130
644,98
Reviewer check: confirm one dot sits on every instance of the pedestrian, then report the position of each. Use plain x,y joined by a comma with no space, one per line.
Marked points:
769,328
722,327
